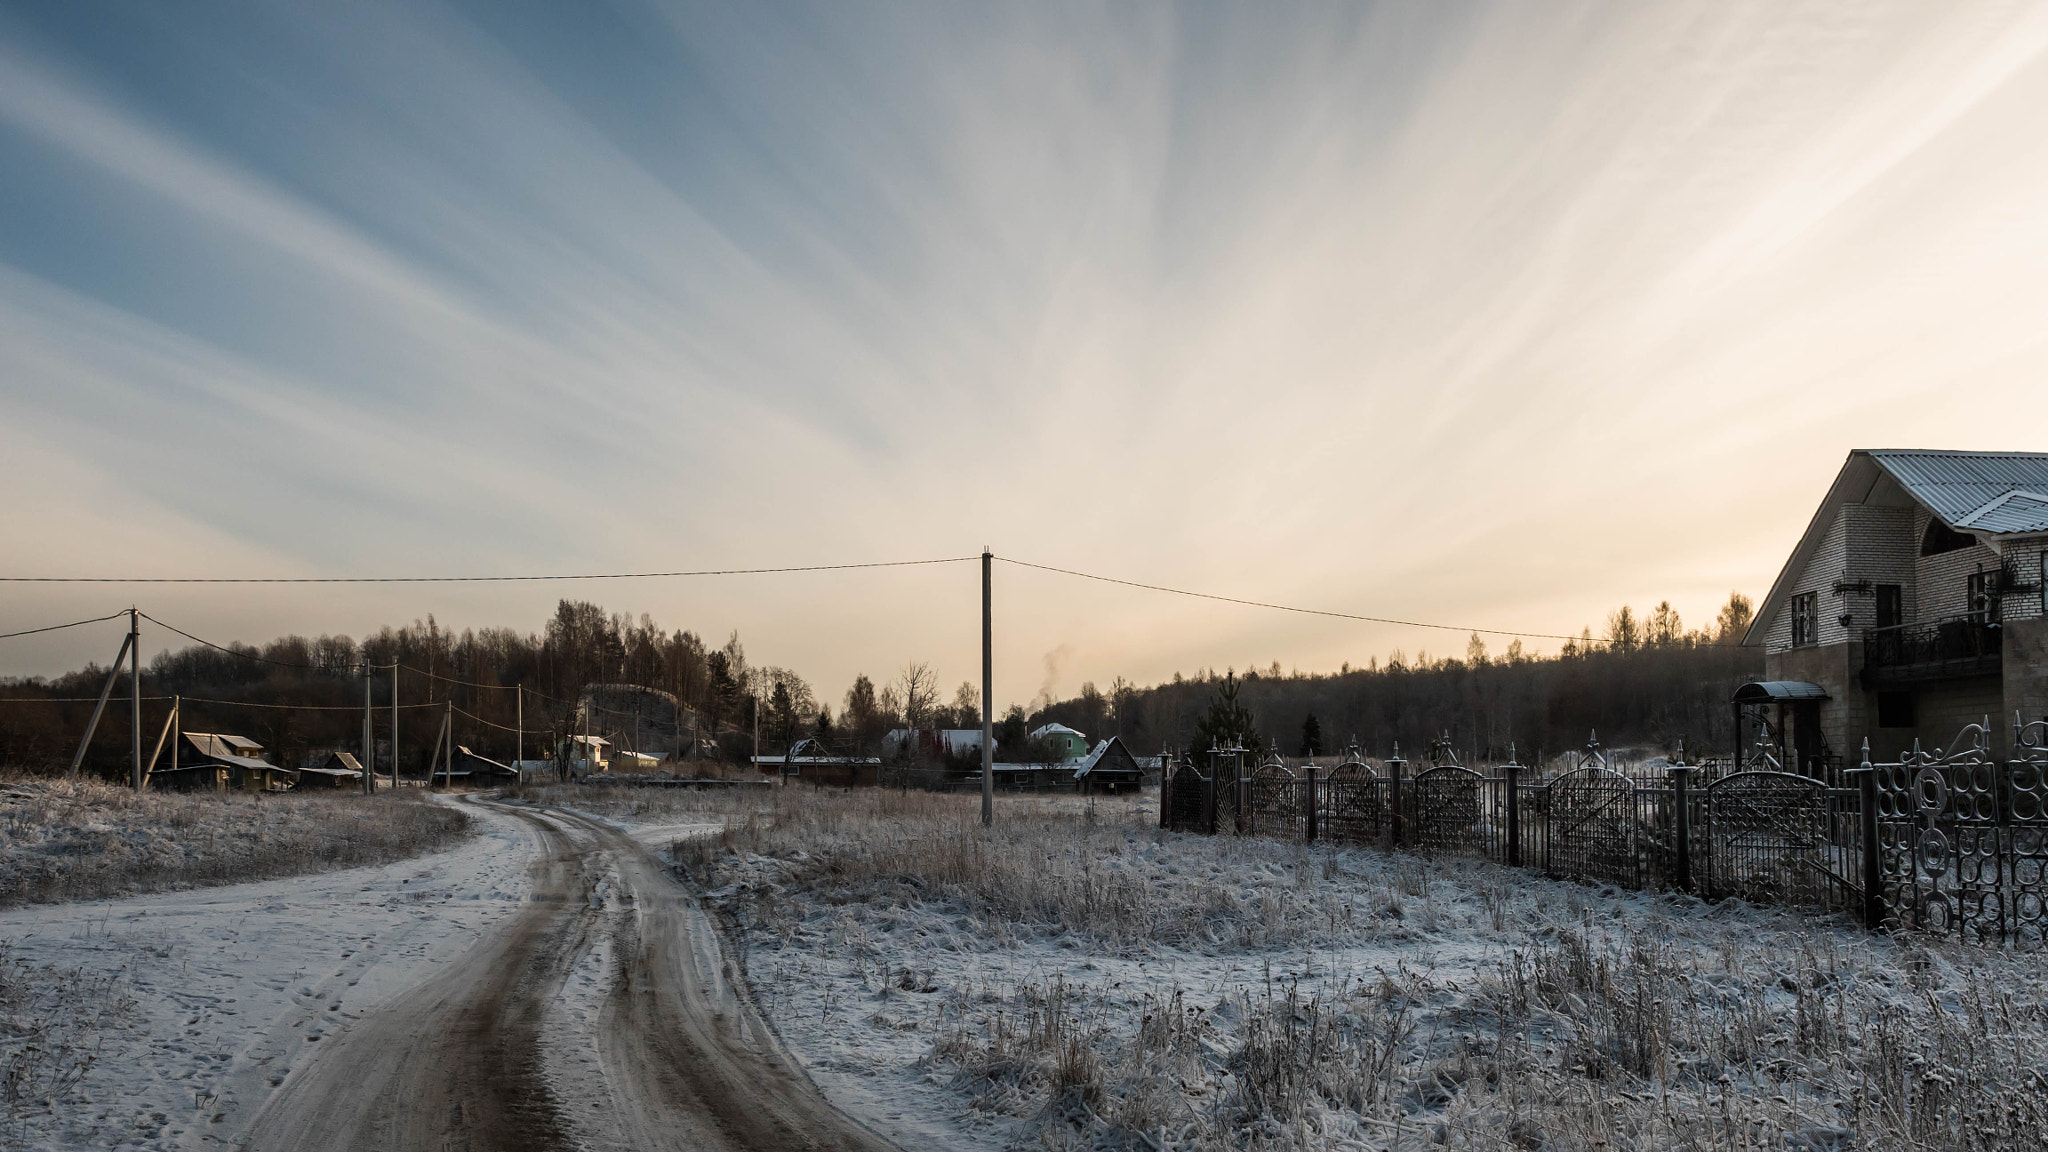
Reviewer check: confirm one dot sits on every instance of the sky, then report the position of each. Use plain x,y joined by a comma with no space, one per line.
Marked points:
1488,315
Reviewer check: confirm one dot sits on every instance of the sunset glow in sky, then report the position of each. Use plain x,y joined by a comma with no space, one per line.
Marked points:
1494,315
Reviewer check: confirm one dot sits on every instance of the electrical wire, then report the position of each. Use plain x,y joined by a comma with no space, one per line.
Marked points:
1291,608
61,627
231,651
468,579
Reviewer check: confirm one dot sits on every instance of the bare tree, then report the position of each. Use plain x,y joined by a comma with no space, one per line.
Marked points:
966,706
917,692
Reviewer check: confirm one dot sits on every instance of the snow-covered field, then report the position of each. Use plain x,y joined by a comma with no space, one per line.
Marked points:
230,987
1079,979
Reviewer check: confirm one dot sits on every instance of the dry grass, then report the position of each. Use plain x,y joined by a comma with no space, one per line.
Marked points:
1596,1020
53,1024
89,840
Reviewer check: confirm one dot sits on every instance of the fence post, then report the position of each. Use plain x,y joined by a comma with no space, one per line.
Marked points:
1209,794
1866,831
1681,824
1514,775
1310,835
1396,769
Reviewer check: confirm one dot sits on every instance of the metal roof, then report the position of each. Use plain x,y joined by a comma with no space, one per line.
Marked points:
1765,691
1958,486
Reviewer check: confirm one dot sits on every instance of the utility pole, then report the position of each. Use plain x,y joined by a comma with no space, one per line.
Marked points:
519,709
369,745
135,691
448,743
394,723
988,698
91,726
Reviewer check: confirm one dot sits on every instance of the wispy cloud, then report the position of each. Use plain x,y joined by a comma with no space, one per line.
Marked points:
1491,313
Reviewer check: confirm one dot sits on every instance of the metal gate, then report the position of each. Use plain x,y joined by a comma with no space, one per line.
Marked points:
1963,839
1353,808
1276,803
1769,840
1450,812
1187,803
1592,826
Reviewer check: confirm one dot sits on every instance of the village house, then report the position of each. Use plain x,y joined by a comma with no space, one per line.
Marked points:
1065,742
210,760
1913,605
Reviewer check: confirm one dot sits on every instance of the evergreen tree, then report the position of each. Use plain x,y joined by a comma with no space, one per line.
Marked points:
1227,723
1311,736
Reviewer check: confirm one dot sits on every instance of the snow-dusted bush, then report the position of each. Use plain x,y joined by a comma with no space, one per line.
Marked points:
85,840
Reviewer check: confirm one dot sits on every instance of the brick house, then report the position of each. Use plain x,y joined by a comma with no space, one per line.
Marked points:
1913,605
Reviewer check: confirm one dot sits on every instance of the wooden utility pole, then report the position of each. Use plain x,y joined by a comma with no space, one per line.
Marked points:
135,694
369,740
448,743
988,698
519,710
394,723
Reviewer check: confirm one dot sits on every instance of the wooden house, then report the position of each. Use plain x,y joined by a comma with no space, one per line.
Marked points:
1109,768
1913,605
241,759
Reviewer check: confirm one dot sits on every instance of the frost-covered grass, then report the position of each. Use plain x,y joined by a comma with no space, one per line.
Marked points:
53,1027
1076,978
87,840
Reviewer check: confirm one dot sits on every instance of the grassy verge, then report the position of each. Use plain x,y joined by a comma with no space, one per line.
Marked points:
62,841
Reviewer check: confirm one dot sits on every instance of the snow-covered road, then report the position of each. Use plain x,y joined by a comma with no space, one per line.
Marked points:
237,986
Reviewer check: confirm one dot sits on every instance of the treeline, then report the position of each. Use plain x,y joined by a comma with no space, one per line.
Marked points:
300,695
1645,681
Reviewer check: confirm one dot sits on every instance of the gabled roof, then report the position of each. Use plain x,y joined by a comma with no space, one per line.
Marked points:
1055,730
1094,759
1982,493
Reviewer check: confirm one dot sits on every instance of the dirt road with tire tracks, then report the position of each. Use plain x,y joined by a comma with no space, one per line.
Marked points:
457,1064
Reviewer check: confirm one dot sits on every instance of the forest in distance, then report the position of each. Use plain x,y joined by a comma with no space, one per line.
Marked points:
1644,680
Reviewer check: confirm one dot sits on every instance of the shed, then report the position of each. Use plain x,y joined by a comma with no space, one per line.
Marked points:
338,770
479,768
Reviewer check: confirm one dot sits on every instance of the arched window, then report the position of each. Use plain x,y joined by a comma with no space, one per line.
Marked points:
1942,538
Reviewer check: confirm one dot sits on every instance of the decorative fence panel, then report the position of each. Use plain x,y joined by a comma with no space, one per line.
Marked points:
1276,804
1770,838
1454,812
1592,821
1963,838
1354,807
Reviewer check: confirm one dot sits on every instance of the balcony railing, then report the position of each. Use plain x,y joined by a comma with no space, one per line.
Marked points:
1948,649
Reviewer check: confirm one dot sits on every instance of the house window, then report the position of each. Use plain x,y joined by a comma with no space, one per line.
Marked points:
1895,710
1891,605
1805,619
1984,588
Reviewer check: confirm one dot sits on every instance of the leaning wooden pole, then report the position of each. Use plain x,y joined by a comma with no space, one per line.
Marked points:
92,725
369,747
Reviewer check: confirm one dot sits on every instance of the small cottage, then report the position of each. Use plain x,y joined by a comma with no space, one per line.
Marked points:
1109,768
335,770
240,757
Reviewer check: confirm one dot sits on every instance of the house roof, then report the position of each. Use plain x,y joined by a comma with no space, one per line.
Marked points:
348,762
1093,759
1958,486
219,744
1983,493
1055,730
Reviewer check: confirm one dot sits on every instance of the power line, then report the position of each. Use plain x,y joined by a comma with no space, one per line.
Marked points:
465,579
1291,608
60,627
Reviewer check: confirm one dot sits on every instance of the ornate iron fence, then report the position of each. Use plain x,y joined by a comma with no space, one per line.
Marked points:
1962,838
